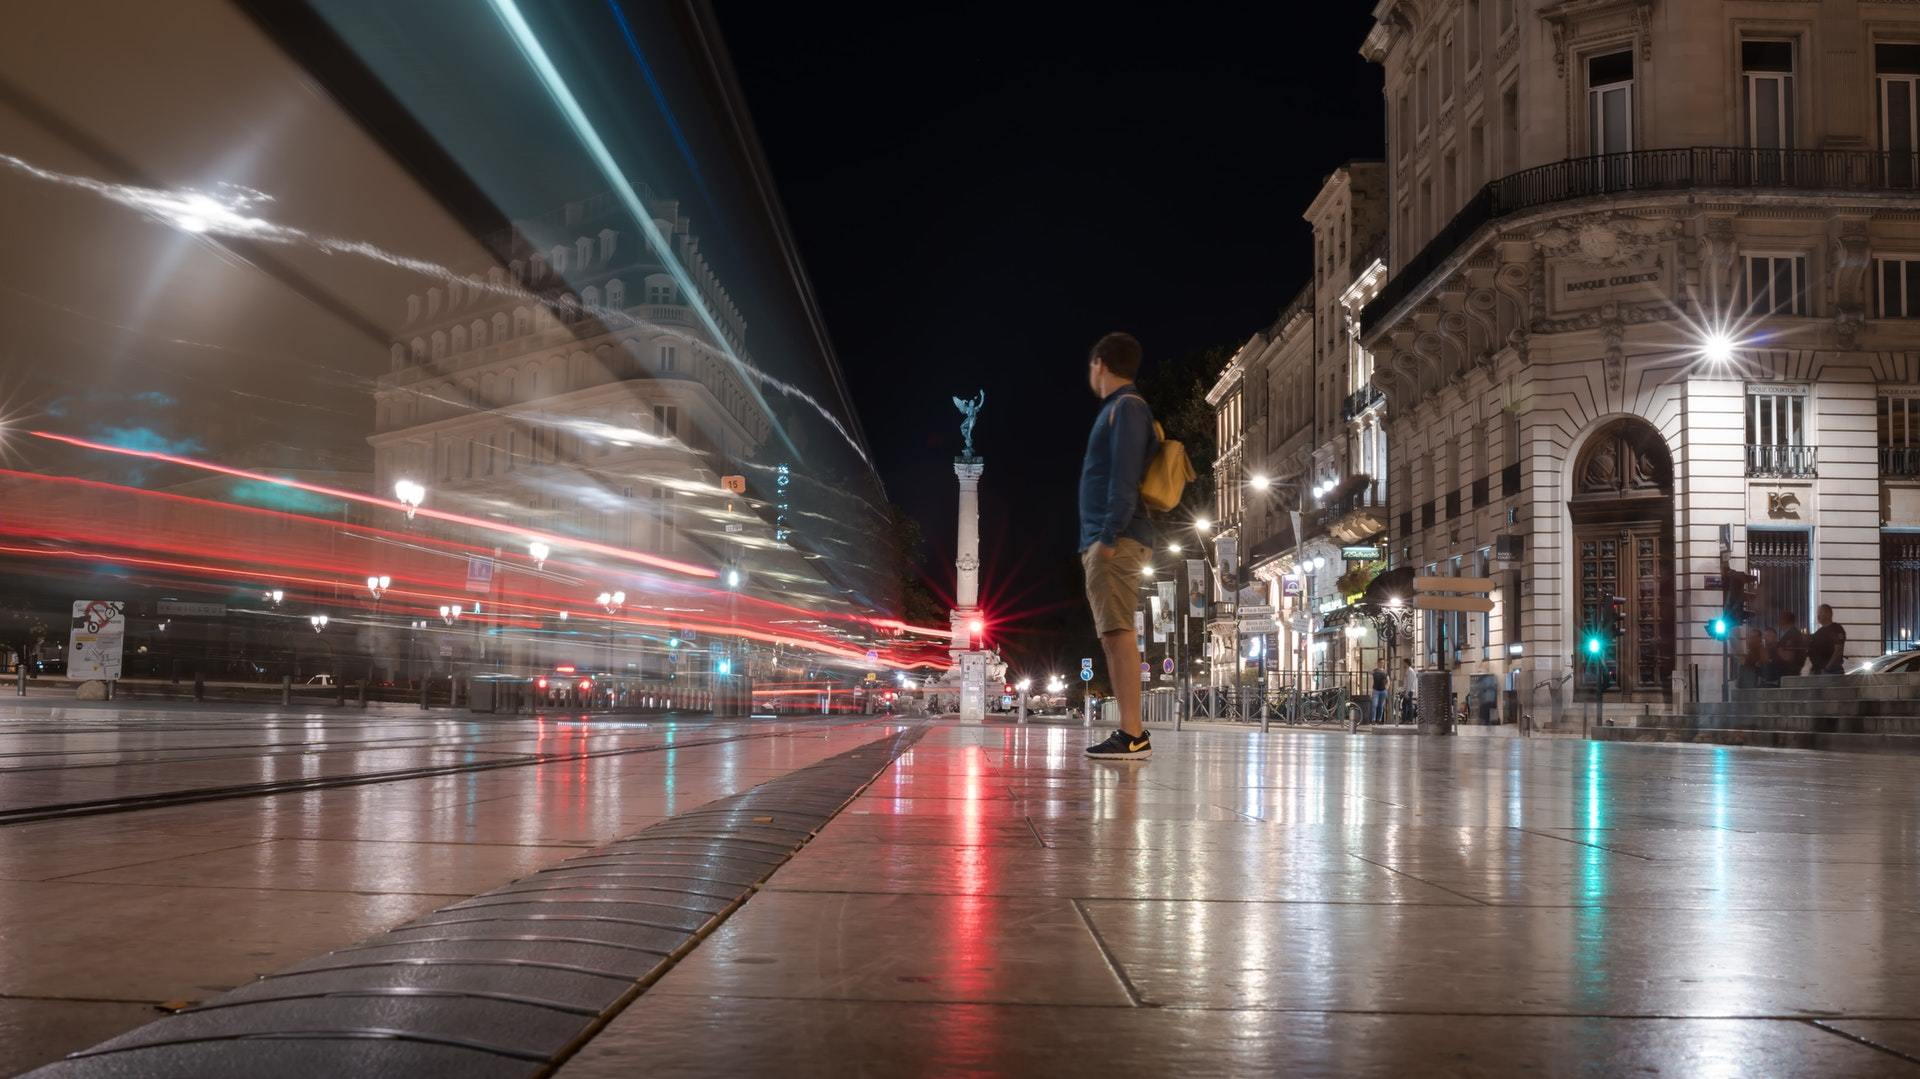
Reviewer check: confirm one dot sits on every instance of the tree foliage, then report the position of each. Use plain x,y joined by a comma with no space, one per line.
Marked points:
1177,390
907,553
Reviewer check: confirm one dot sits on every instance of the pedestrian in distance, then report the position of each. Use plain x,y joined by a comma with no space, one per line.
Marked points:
1379,712
1116,537
1792,649
1770,657
1827,650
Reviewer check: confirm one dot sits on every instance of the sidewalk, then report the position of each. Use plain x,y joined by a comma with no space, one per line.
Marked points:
1295,904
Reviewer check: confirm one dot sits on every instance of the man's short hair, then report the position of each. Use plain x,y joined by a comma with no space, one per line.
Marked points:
1120,352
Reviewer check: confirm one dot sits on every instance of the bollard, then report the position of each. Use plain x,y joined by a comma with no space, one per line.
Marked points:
1434,692
423,694
20,682
286,690
199,685
363,693
339,694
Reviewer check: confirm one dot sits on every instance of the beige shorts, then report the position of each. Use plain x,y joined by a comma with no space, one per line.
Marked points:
1113,584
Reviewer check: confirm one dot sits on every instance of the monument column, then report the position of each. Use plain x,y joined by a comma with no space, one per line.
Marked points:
967,659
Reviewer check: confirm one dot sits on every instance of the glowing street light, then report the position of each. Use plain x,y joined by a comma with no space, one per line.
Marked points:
317,621
273,596
1147,572
376,586
410,495
733,578
1024,684
1173,548
1203,526
563,616
450,615
1259,481
538,552
611,601
1717,348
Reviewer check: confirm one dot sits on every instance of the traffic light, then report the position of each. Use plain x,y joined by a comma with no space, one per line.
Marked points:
1720,626
1594,645
1617,617
1738,590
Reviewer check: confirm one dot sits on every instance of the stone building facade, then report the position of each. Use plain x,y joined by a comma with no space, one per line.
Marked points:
1652,307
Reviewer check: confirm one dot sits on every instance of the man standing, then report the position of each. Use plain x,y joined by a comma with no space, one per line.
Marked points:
1791,652
1828,648
1116,539
1379,690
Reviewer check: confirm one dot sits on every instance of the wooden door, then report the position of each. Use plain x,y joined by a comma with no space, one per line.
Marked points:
1633,561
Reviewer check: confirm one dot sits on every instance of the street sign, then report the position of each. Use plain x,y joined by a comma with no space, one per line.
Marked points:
1166,665
1255,611
1146,672
1086,674
1474,604
735,484
479,573
1452,584
1260,625
1359,554
1086,663
182,609
1715,582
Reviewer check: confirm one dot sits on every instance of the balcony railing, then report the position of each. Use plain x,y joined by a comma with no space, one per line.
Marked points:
1359,401
1901,461
1781,462
1684,169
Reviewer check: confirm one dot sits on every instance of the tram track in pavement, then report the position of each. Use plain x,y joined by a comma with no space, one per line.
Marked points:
197,795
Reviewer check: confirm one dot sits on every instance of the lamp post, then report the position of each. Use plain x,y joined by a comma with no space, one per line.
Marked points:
610,602
409,494
538,552
318,622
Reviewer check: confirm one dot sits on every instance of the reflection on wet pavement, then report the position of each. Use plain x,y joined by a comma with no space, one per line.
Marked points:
1309,903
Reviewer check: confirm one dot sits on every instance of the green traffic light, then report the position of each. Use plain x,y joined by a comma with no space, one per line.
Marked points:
1593,645
1718,628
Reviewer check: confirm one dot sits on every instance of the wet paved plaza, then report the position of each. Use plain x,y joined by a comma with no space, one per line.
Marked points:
1303,902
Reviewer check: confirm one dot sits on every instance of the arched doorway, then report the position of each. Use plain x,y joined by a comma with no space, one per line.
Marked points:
1622,514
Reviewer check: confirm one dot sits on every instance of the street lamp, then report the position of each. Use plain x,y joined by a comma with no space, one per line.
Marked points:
1259,481
377,586
1173,548
450,615
410,495
273,596
539,552
317,621
1203,526
611,601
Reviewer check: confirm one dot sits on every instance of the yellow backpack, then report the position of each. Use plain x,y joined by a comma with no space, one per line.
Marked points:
1167,475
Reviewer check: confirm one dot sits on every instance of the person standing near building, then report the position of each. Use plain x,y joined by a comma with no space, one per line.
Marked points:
1116,539
1827,651
1379,691
1791,651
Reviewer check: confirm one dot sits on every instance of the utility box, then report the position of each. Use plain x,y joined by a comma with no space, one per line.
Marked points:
1435,716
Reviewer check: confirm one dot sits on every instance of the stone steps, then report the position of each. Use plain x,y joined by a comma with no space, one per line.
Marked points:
1824,741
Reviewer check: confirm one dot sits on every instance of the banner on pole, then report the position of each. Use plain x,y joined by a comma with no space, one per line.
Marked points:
1196,588
1159,619
96,640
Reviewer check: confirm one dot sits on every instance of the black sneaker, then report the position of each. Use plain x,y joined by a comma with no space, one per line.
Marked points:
1120,746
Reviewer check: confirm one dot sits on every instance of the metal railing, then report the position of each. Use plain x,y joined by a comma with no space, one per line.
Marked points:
1640,171
1902,461
1360,400
1781,461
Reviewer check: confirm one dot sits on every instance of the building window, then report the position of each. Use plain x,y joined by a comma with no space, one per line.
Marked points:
1610,103
669,359
1471,30
1405,115
1767,72
1506,15
1424,86
1897,71
1897,285
1476,153
1510,131
660,294
666,420
1777,433
1897,420
1774,284
616,293
1899,590
1446,69
1781,560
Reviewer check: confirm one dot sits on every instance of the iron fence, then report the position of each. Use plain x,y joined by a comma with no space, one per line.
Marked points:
1781,461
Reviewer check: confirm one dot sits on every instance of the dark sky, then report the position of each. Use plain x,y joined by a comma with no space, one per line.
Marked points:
980,192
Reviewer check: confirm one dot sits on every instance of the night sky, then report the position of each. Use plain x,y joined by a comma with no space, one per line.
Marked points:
979,194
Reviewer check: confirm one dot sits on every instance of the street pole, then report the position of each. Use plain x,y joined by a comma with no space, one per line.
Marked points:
1183,683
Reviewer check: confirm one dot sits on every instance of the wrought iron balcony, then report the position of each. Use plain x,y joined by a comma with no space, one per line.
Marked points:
1359,401
1641,171
1900,461
1780,461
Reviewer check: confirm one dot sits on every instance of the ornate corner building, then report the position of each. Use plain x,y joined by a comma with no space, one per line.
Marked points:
1653,288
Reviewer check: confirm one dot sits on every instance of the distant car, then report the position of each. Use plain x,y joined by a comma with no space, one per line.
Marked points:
320,680
1907,662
